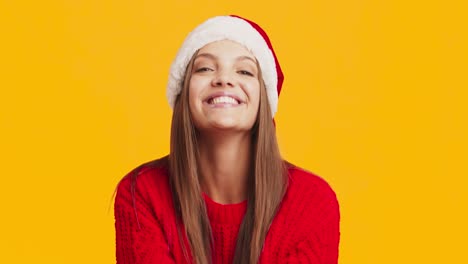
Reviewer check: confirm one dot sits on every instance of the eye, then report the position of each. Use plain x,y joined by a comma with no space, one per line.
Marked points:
244,72
203,69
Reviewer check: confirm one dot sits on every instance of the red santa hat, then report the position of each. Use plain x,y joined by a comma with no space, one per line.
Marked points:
240,30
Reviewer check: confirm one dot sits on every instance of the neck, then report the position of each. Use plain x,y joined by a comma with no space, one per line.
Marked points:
225,162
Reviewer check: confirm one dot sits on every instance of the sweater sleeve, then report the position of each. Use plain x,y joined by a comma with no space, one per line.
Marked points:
330,239
139,235
321,245
329,232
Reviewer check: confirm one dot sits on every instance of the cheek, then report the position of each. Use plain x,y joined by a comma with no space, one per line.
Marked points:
198,84
194,91
254,94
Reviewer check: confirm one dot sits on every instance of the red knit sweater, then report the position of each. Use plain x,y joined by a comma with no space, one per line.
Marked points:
305,229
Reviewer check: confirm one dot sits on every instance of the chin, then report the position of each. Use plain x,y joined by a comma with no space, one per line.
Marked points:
223,123
226,125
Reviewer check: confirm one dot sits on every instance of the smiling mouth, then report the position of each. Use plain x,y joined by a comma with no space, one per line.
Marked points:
223,100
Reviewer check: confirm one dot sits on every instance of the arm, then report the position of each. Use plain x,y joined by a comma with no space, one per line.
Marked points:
322,245
139,235
329,233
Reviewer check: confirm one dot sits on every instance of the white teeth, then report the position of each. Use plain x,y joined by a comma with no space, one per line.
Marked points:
224,100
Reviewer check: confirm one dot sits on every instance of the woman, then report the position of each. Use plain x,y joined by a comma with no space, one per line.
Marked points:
224,194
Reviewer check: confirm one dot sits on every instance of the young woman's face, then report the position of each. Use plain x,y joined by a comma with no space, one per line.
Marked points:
224,89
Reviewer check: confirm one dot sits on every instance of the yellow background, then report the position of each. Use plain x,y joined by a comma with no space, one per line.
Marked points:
374,101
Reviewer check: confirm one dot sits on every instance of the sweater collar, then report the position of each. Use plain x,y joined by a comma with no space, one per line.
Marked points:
225,214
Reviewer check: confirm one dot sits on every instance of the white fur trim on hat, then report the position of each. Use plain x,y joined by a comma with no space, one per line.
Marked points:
221,28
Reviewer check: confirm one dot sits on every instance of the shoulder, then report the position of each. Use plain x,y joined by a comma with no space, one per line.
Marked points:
309,212
150,181
309,184
311,196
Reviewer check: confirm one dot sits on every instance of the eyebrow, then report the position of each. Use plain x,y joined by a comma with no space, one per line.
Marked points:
214,57
246,58
207,55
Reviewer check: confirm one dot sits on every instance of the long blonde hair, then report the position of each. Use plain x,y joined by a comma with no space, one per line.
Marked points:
267,182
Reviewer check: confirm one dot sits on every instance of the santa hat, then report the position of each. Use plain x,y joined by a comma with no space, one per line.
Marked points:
240,30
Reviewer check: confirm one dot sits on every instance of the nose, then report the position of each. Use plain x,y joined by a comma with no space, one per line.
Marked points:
222,79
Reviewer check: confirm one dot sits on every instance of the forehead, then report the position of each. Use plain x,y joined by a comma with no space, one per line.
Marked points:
226,48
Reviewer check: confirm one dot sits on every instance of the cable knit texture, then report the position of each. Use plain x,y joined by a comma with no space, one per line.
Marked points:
305,229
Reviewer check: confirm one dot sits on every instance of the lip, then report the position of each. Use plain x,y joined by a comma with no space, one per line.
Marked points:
217,94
